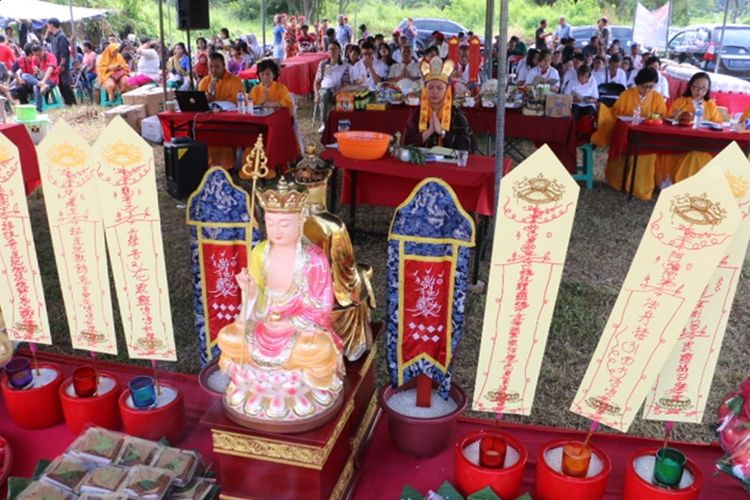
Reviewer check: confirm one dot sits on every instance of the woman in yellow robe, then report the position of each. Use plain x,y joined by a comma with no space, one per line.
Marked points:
650,102
271,93
674,168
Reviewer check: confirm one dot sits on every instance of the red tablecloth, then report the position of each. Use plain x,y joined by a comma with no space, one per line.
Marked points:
19,136
29,446
558,133
735,103
297,73
385,470
388,182
233,129
664,138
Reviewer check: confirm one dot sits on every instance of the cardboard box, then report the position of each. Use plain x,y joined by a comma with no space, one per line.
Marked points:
131,113
558,105
151,96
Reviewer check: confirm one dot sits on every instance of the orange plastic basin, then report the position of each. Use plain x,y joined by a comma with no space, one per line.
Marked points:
362,145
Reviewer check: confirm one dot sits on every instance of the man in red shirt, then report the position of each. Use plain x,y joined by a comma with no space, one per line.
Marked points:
50,74
6,53
306,39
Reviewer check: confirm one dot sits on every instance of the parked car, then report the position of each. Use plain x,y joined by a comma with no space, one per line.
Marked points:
583,34
693,43
426,25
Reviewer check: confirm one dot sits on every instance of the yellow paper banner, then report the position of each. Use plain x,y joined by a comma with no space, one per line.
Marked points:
681,391
21,292
688,233
535,216
126,184
75,221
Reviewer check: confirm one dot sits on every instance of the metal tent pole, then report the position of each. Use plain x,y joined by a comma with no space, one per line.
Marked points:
490,15
163,51
502,82
721,39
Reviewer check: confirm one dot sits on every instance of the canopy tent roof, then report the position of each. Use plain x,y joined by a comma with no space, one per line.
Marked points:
37,10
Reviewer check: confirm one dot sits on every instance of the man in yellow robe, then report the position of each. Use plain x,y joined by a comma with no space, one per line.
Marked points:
220,85
650,102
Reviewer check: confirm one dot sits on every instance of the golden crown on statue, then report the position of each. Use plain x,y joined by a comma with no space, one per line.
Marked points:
283,197
436,69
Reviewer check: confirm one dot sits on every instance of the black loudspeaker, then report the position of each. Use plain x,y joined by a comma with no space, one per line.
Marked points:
185,162
192,15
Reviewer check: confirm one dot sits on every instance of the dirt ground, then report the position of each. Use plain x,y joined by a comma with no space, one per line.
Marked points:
605,236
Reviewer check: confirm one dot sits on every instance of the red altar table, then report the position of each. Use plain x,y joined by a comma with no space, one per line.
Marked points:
233,129
388,181
558,133
30,446
297,73
735,103
630,140
19,136
386,470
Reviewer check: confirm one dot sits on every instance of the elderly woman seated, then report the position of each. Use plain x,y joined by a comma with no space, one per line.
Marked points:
437,121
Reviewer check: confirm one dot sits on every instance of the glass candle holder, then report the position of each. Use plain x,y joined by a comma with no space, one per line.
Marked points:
492,450
143,392
669,466
19,373
84,381
576,459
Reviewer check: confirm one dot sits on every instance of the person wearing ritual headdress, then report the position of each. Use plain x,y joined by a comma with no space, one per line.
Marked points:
437,121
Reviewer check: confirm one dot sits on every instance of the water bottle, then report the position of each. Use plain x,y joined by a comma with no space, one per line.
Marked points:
250,107
637,115
241,102
698,115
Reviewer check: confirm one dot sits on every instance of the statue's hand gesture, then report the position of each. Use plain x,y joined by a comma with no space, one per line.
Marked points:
247,284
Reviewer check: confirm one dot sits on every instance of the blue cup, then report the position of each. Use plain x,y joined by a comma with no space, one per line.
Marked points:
143,392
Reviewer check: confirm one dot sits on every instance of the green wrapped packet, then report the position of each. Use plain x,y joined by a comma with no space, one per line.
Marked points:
409,493
485,493
449,492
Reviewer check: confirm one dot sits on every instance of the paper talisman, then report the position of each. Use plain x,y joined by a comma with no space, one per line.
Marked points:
67,169
536,209
21,292
687,235
681,391
126,183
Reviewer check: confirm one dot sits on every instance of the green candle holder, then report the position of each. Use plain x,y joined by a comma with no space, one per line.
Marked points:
669,466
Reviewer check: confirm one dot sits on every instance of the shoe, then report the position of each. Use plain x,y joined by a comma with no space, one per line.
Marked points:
322,129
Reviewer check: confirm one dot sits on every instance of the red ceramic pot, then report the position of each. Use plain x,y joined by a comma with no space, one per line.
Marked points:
421,437
100,410
506,482
637,488
35,408
166,421
549,482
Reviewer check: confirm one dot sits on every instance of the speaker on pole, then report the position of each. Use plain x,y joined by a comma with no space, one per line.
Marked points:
192,15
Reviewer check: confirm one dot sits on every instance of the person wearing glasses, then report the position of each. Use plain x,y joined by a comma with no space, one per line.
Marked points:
368,71
645,98
674,168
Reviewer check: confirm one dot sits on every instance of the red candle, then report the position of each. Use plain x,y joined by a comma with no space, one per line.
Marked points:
576,459
492,452
84,381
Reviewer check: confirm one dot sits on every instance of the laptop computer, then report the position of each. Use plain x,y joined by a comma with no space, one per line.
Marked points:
192,100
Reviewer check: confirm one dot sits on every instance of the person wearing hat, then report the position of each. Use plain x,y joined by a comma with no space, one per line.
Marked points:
60,48
321,33
437,121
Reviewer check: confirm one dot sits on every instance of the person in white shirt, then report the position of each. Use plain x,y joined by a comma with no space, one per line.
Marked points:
148,65
368,71
571,75
636,57
328,80
463,67
438,40
599,69
662,86
532,59
585,93
399,70
544,72
614,73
